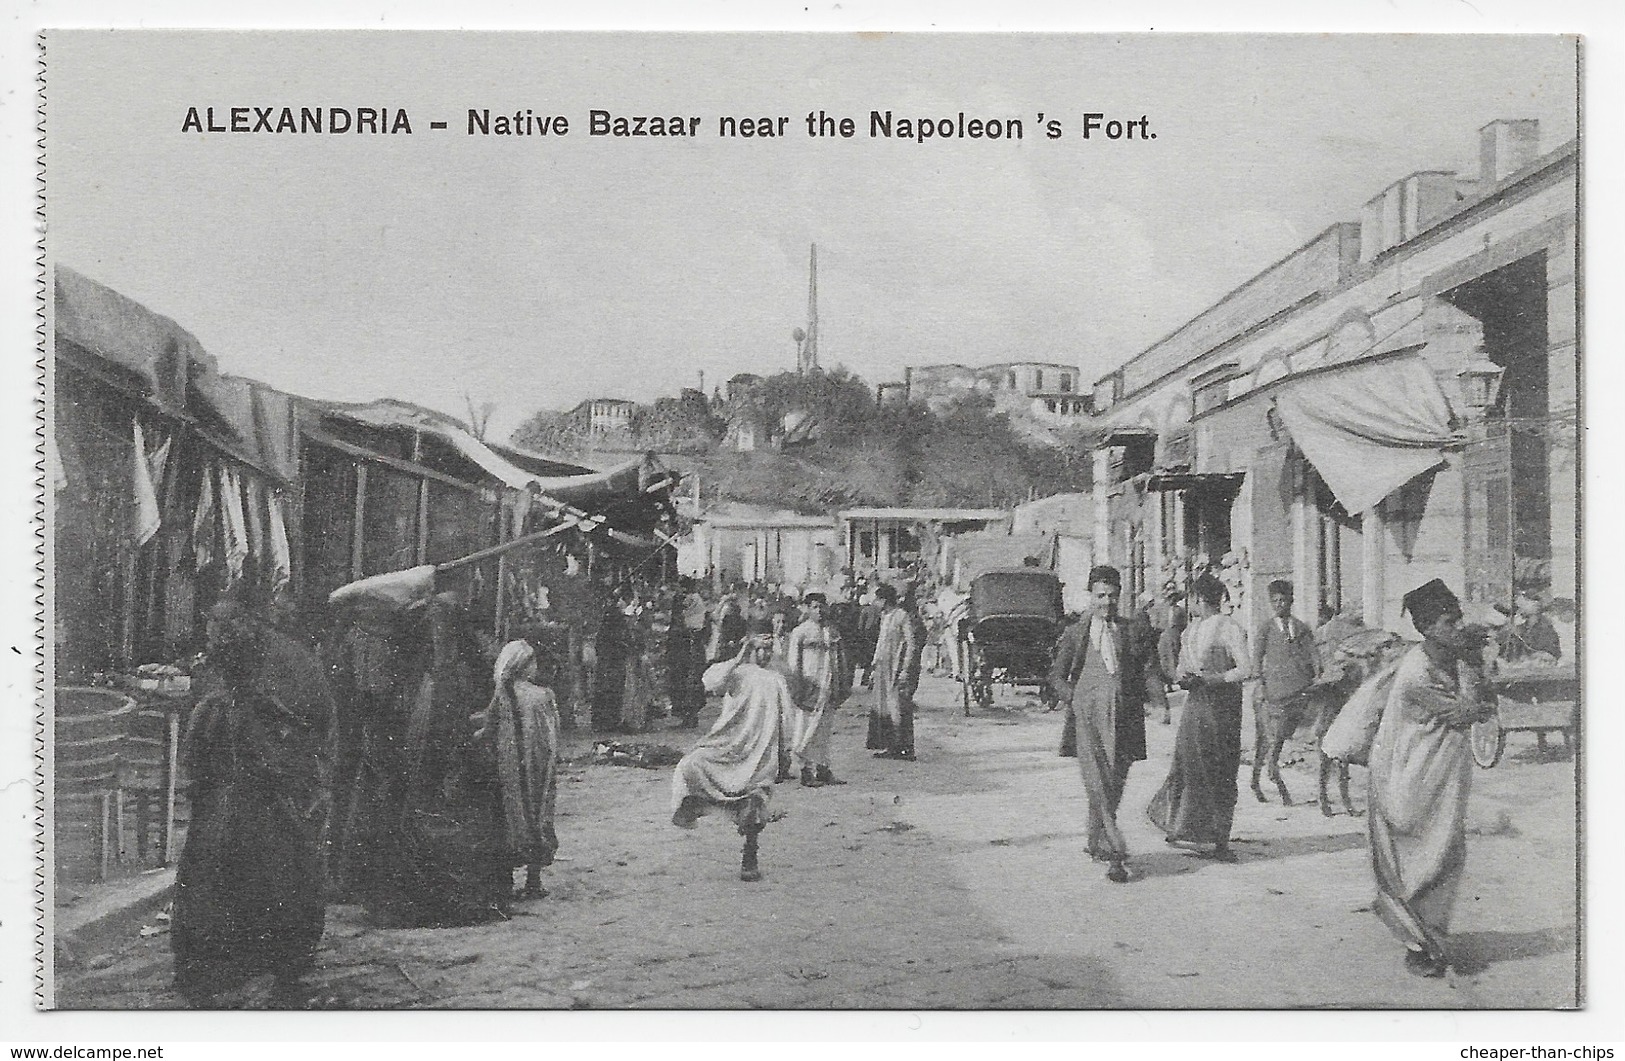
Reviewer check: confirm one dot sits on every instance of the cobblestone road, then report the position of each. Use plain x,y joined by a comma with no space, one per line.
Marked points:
957,881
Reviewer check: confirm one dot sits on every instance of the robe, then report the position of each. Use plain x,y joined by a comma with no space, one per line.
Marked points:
526,742
820,680
249,887
1421,775
896,665
1107,715
732,769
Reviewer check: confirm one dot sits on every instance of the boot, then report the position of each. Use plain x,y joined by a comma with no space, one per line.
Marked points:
748,870
824,777
809,779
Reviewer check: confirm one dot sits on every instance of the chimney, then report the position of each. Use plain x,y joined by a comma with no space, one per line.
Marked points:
1506,146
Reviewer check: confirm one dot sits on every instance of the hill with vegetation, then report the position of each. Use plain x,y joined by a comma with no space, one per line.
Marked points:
823,442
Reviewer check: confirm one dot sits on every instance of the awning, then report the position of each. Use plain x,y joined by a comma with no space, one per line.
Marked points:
1369,428
1226,483
510,466
1127,436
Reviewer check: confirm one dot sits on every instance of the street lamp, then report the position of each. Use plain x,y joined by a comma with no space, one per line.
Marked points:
1480,383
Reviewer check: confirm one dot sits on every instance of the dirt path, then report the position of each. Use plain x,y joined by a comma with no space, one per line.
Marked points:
958,881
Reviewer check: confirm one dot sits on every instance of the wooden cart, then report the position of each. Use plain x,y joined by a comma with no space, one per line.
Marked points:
1538,700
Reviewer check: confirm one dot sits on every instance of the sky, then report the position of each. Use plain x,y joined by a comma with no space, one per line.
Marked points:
534,272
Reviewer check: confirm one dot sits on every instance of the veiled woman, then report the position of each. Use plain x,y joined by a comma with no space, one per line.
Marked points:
1197,803
521,728
437,856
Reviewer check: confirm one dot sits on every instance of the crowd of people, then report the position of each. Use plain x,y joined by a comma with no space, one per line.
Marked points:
409,764
1107,667
403,760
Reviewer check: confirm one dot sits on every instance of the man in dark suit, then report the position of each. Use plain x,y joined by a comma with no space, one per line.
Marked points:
1285,662
1099,672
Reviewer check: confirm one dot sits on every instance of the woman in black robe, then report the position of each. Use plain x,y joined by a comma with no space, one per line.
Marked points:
249,888
435,852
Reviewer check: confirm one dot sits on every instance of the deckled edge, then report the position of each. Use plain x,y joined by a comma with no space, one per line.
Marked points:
43,955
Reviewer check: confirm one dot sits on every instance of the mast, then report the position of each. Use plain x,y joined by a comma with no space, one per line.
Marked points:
809,346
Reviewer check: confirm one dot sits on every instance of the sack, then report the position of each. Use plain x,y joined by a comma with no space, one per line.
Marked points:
1350,736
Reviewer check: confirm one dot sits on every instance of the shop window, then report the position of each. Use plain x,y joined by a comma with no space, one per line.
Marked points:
1066,383
1038,379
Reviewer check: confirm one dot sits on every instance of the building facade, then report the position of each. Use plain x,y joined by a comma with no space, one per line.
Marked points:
1394,401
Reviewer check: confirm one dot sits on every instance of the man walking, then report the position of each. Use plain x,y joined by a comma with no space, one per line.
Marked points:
1286,664
733,767
1421,775
1099,672
820,680
896,667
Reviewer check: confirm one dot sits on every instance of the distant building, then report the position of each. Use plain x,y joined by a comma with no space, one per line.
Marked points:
602,416
779,547
887,541
1045,380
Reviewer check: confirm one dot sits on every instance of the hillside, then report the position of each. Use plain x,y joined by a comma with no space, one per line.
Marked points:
842,449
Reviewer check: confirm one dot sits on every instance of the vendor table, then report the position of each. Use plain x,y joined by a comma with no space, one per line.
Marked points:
1528,699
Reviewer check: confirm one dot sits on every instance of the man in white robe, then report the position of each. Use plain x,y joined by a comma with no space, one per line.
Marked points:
1421,774
733,767
820,680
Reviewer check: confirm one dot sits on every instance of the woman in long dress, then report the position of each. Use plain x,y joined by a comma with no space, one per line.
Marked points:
521,726
1197,803
434,841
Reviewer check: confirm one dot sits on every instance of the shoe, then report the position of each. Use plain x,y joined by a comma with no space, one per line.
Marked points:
823,776
751,875
1421,963
1218,854
1118,873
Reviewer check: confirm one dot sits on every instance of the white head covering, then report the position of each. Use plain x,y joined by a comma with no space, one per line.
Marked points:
511,662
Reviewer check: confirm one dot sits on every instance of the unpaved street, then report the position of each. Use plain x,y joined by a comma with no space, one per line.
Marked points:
958,881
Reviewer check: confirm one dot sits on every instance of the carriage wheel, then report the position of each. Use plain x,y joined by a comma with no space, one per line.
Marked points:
984,685
1488,740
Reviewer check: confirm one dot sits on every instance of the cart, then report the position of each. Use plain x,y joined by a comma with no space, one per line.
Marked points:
1008,635
1528,699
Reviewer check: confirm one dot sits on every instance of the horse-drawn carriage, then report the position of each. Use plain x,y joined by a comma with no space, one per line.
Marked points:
1008,634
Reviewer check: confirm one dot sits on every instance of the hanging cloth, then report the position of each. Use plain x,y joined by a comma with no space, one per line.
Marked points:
234,522
1369,428
254,510
206,523
147,474
276,529
53,465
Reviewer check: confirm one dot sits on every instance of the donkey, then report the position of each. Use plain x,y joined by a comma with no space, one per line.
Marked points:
1346,663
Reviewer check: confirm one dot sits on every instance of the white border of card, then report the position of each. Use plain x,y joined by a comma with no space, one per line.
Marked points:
26,922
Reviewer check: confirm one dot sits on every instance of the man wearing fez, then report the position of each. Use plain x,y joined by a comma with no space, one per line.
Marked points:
1421,772
1099,672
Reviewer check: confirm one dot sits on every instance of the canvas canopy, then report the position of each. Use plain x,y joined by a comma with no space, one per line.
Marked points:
509,465
1369,427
